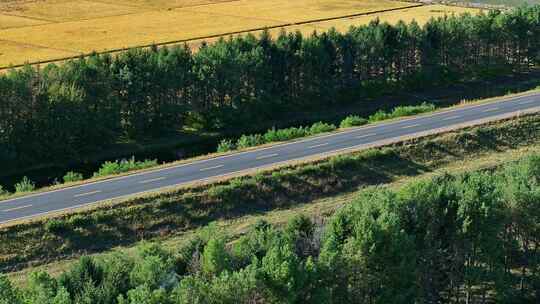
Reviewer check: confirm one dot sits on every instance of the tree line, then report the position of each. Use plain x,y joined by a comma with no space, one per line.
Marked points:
469,238
64,112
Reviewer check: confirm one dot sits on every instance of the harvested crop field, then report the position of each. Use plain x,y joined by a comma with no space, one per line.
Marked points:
41,30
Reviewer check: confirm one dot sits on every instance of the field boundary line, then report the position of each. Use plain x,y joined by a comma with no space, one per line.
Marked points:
170,42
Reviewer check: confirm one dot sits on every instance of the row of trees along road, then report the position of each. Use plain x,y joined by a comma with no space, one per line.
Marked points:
473,238
61,112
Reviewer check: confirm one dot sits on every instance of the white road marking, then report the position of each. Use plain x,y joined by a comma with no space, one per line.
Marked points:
267,156
490,110
366,135
319,145
87,193
17,208
452,117
411,126
152,180
211,168
526,102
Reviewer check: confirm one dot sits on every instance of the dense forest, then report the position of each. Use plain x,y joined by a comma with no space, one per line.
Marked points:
61,112
469,238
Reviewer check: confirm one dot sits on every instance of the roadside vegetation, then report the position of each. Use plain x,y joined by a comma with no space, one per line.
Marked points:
160,215
277,135
122,166
63,113
470,237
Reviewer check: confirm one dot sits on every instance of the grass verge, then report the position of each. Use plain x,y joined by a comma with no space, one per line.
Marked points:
168,213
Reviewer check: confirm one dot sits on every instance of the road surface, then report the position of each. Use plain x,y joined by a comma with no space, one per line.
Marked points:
353,139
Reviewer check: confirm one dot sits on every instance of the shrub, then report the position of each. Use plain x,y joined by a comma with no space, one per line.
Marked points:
321,127
2,191
116,167
226,145
274,135
7,291
25,185
379,116
402,111
71,177
57,226
80,220
108,168
412,110
352,121
247,141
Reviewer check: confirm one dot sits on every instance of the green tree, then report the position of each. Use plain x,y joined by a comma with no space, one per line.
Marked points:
283,273
144,295
8,294
41,288
215,258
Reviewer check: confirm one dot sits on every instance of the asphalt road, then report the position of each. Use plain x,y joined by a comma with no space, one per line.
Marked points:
353,139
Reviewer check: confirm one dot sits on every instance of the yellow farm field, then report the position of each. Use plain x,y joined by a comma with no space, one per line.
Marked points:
41,30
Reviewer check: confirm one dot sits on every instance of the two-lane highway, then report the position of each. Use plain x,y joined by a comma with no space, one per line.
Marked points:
352,139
